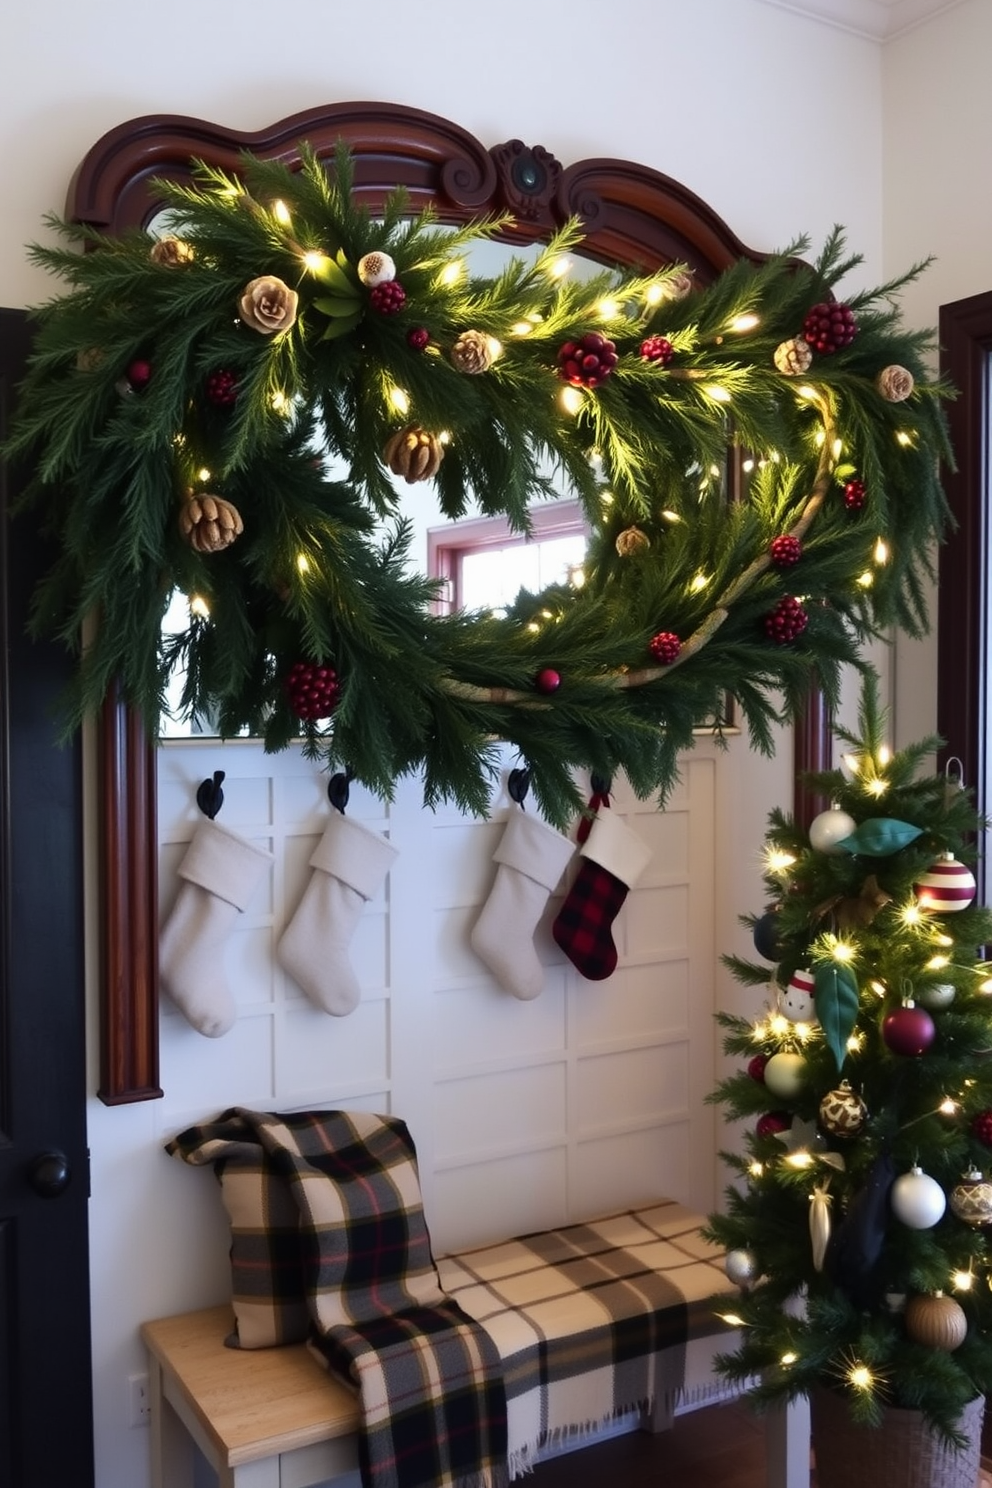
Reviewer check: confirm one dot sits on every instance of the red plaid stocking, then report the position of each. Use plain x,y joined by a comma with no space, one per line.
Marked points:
613,859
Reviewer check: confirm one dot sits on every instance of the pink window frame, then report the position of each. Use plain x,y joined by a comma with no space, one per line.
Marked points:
448,545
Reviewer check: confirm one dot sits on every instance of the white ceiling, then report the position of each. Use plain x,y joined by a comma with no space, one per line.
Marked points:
879,20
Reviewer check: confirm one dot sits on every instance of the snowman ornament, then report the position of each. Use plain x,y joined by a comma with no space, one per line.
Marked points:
795,1001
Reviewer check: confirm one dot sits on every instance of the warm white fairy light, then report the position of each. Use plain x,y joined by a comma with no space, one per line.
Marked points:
943,940
986,985
855,1042
203,474
837,448
747,466
881,551
606,498
533,627
883,755
756,1169
521,328
962,1281
948,1106
910,914
731,1319
315,261
808,392
670,516
788,1358
577,576
399,399
281,213
803,1031
841,950
779,1025
198,606
495,347
279,402
559,267
778,861
742,323
903,438
718,393
879,988
876,787
699,582
655,294
570,399
860,1376
452,272
800,1159
607,309
866,579
302,563
937,963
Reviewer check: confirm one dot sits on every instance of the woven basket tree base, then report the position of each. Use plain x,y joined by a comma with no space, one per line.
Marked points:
900,1453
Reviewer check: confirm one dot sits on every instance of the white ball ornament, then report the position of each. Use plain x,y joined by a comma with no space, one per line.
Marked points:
741,1267
785,1075
936,997
829,828
917,1199
376,268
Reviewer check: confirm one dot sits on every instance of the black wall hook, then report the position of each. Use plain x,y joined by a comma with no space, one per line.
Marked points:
337,789
209,796
518,784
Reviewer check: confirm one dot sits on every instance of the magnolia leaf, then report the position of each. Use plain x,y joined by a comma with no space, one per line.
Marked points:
341,327
835,997
337,307
333,275
879,837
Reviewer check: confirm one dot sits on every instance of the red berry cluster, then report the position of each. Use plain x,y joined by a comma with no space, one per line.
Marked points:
388,298
981,1127
787,620
665,647
222,388
417,337
785,550
657,349
588,362
313,691
829,326
854,495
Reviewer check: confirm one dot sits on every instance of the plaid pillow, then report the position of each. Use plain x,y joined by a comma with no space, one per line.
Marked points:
268,1288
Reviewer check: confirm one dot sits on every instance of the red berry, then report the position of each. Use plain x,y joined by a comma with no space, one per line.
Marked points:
588,362
388,298
854,495
756,1067
981,1127
222,388
773,1122
547,680
785,550
139,374
787,621
418,337
829,326
312,690
657,349
665,647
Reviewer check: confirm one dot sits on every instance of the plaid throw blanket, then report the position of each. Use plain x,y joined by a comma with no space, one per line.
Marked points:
428,1377
587,1326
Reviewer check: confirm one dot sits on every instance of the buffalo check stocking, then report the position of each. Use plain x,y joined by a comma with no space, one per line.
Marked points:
613,859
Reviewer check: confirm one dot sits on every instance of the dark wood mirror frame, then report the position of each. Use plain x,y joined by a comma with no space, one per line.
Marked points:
632,215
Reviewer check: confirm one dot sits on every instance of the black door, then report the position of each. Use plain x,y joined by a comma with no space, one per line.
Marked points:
46,1433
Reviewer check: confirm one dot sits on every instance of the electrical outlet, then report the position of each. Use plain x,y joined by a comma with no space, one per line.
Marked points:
139,1400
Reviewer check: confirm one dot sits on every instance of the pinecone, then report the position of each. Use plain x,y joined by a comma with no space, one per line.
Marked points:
829,326
787,621
312,691
472,352
388,298
588,362
794,357
854,494
413,453
895,383
632,541
657,349
785,550
209,523
222,388
665,647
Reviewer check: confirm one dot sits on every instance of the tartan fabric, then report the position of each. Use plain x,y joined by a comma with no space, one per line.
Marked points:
428,1377
268,1285
583,925
591,1320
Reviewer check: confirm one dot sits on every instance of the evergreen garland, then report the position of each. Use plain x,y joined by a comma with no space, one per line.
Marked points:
856,920
150,383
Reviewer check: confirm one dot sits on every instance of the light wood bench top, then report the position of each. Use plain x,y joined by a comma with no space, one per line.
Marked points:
248,1402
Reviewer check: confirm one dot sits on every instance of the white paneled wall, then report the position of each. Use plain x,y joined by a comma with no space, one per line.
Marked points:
525,1114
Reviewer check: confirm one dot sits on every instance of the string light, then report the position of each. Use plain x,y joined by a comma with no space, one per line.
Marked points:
570,399
399,399
521,328
302,563
452,272
655,294
962,1281
281,213
279,402
699,582
860,1376
607,309
203,474
778,861
948,1107
315,261
756,1169
559,267
198,606
881,553
716,392
742,323
731,1319
788,1358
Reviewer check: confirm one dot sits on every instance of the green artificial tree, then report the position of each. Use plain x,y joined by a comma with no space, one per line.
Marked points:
858,1225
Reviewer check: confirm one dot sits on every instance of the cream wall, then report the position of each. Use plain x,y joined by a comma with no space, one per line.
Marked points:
775,120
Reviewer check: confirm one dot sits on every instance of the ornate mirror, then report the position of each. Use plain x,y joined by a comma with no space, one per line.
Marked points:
633,216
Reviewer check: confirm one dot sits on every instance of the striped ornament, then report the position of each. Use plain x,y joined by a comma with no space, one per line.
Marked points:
946,886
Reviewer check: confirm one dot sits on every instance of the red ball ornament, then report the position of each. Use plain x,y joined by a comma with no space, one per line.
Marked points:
946,887
772,1123
981,1127
387,298
829,326
312,691
785,550
787,621
547,680
756,1067
587,362
417,337
665,647
854,494
908,1030
139,374
657,349
222,388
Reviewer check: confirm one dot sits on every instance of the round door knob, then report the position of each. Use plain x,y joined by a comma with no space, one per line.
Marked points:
49,1174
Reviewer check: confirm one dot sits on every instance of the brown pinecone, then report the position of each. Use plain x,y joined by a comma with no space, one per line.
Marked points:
209,523
632,541
413,453
793,357
471,352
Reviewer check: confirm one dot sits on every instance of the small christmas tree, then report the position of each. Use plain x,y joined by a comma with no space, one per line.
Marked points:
859,1224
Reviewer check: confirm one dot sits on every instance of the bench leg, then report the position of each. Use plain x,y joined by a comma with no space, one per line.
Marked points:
171,1448
787,1445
